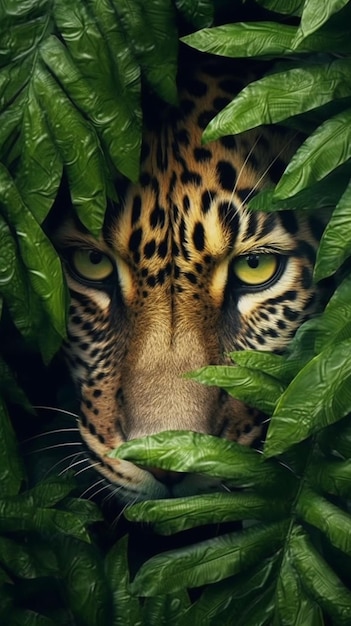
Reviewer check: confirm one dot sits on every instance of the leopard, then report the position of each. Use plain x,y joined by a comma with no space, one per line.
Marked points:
182,274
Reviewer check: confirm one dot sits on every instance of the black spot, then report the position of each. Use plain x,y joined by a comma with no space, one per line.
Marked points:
145,179
199,236
92,429
264,316
281,324
306,278
84,420
245,194
161,277
208,259
269,223
155,184
176,271
173,182
157,217
276,170
196,87
161,158
191,277
226,175
76,319
149,248
144,272
151,281
188,177
136,209
202,154
84,346
207,198
272,310
175,249
163,249
168,269
100,437
187,106
261,340
144,294
136,258
252,225
182,238
186,203
87,326
220,103
290,314
145,151
205,117
289,222
175,212
135,240
199,268
196,296
228,142
182,137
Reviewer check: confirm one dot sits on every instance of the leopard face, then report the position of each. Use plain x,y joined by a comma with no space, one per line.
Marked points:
182,274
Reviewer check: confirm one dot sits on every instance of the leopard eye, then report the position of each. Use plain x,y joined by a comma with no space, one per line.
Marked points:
91,264
256,269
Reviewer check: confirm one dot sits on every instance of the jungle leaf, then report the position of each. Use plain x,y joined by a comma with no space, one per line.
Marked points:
282,95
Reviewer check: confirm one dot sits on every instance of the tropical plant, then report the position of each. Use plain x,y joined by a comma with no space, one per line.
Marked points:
71,75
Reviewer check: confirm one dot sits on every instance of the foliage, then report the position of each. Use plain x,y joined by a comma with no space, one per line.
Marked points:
76,70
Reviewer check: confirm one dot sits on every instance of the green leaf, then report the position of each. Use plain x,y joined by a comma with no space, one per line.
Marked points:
199,14
26,561
318,579
152,33
208,561
83,159
281,95
39,257
228,601
85,584
11,470
335,323
321,153
39,172
334,477
183,451
171,516
273,365
254,39
10,389
289,7
315,14
331,520
251,386
299,415
294,605
335,244
127,609
166,610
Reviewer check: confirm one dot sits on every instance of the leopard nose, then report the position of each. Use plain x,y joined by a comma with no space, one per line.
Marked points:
166,477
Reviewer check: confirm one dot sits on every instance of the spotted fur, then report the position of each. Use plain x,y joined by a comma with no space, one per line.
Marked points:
173,302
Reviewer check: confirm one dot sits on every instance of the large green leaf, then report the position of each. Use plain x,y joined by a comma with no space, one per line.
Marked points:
127,610
251,386
208,561
252,39
318,579
315,14
282,95
335,244
185,451
171,516
321,153
11,470
200,13
298,415
39,257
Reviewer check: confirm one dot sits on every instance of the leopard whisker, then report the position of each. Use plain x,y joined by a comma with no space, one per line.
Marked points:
66,458
57,410
50,432
265,172
96,484
57,445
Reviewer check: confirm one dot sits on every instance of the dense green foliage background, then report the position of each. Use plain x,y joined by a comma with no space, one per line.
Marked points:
71,76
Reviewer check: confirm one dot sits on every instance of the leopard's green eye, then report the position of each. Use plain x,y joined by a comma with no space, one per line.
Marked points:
255,269
91,264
